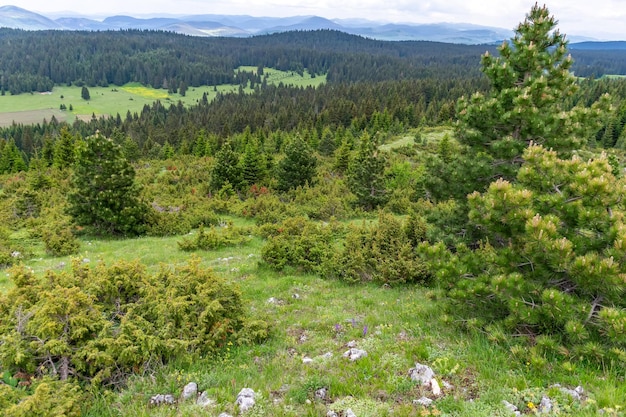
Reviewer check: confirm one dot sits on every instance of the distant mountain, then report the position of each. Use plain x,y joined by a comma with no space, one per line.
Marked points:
18,18
243,25
599,46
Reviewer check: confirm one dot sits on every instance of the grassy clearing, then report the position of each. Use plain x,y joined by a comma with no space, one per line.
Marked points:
34,107
426,135
312,317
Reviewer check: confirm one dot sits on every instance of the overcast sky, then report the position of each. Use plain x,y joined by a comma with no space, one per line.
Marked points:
598,18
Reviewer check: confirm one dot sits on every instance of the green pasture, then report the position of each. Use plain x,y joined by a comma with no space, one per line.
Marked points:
312,317
34,107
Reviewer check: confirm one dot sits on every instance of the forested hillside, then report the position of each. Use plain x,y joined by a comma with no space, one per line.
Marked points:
427,204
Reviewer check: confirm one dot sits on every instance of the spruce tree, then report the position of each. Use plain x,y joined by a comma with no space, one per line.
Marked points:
298,167
105,195
366,174
226,169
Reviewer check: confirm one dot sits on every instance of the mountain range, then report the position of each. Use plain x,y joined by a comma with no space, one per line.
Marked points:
244,26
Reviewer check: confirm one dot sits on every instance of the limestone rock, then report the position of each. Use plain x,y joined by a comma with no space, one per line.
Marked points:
355,354
425,401
435,388
511,408
306,359
204,400
162,399
190,391
422,374
224,415
245,399
322,393
545,406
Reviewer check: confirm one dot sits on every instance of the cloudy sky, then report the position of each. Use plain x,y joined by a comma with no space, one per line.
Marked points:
598,18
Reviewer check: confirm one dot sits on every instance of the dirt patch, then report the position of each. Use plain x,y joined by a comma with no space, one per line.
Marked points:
31,117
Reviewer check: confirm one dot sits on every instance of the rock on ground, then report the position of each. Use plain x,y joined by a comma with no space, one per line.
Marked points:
245,399
354,354
422,374
190,391
162,399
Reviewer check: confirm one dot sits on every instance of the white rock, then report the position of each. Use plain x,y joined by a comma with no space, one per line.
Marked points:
351,344
447,385
272,300
545,406
162,399
511,407
306,359
224,415
355,354
190,391
422,374
327,355
245,399
296,296
425,401
434,386
349,413
204,400
331,413
321,393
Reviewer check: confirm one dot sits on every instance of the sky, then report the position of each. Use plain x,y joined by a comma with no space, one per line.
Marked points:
602,19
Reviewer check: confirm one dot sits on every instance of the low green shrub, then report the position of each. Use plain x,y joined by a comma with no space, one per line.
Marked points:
102,324
297,242
382,253
59,240
215,238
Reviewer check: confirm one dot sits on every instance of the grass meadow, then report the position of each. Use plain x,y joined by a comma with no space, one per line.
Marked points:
316,318
31,108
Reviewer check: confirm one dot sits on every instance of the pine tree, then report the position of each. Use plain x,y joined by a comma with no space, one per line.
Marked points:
298,167
252,163
366,174
64,150
530,81
105,195
84,93
226,169
11,159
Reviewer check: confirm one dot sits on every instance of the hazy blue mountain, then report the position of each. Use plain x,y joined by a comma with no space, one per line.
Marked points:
244,25
18,18
599,46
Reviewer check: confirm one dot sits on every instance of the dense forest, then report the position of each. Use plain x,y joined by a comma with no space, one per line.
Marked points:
490,178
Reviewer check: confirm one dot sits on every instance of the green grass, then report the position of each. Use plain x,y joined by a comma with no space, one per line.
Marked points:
397,326
33,108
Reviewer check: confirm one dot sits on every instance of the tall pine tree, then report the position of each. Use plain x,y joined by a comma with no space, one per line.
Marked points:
530,81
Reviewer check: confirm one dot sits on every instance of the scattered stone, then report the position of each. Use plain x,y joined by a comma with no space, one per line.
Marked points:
306,359
351,344
296,296
86,260
204,400
349,413
190,391
447,385
512,408
327,355
321,394
162,399
422,374
16,254
434,386
424,401
331,413
545,406
355,354
272,300
245,399
575,393
224,415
